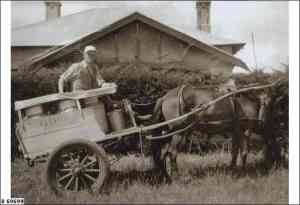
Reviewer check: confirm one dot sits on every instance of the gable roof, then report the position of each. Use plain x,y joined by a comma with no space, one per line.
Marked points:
62,30
59,51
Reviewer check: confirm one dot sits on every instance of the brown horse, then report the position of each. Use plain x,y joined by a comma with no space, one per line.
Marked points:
238,115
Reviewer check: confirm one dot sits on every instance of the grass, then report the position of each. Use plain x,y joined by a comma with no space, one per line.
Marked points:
201,179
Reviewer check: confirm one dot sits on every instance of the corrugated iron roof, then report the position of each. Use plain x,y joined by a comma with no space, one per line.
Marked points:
68,28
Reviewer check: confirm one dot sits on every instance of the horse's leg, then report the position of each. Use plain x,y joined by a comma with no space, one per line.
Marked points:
245,146
234,153
199,149
195,140
235,145
164,150
190,144
174,151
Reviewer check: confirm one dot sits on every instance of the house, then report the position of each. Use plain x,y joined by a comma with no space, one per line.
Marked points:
148,34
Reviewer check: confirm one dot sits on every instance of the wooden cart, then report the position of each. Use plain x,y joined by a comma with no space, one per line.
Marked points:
78,139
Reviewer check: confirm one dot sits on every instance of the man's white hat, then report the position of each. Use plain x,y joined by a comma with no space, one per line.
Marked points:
90,48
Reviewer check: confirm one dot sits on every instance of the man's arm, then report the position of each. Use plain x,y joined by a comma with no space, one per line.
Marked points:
66,76
99,77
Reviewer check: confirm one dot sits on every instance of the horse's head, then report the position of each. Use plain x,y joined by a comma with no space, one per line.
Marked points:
264,99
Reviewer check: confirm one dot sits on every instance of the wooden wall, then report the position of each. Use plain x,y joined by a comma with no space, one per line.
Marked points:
138,41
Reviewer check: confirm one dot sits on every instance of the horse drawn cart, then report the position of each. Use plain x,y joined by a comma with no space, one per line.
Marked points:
80,140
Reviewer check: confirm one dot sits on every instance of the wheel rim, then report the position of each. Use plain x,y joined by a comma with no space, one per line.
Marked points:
77,169
168,165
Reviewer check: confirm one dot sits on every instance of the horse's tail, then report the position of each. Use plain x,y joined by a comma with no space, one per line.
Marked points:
157,112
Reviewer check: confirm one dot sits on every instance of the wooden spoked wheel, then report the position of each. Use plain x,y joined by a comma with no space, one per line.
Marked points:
77,166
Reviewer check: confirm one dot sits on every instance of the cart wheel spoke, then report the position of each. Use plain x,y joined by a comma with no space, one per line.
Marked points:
92,170
90,177
65,176
90,163
65,170
74,156
83,182
69,182
76,183
65,157
84,160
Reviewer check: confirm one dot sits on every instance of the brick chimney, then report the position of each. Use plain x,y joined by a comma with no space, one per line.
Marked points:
203,15
53,9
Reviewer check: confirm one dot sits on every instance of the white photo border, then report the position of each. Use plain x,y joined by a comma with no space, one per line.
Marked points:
293,106
5,99
294,102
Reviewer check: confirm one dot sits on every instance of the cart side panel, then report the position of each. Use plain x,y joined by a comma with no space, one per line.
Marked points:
41,135
41,145
97,113
51,123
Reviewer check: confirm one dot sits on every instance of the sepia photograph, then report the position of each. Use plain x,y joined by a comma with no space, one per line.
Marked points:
149,102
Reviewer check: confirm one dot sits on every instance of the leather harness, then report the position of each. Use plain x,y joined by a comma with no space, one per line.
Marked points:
182,104
181,101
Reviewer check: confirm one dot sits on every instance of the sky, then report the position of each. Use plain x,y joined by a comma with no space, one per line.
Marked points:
266,21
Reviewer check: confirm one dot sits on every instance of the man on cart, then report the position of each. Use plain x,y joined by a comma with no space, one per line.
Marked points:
84,75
